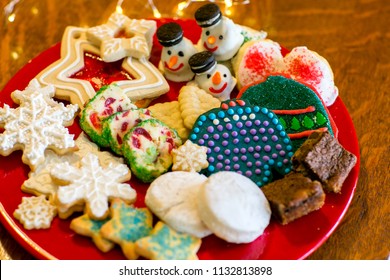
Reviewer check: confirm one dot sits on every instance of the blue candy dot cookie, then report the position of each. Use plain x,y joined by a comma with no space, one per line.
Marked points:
244,138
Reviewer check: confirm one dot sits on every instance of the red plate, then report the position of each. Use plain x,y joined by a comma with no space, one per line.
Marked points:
296,240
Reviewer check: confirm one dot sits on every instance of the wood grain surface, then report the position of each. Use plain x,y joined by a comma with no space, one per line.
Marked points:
354,36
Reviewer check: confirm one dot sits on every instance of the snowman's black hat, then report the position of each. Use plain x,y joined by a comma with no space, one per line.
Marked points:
169,34
201,62
208,15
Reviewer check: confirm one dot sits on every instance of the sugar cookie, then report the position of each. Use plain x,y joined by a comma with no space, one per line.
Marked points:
189,157
172,198
166,244
233,207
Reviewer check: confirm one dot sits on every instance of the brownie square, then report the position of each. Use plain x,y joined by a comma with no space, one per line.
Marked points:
323,158
293,197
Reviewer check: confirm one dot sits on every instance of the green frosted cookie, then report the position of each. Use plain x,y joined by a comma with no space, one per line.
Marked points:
147,149
107,101
118,124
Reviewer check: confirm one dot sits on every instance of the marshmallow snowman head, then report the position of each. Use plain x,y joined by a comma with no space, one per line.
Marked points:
175,53
212,77
219,34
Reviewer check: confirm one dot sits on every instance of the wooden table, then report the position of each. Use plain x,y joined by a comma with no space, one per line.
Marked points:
353,35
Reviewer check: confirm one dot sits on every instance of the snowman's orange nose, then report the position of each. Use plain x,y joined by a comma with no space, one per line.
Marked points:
172,61
216,79
211,40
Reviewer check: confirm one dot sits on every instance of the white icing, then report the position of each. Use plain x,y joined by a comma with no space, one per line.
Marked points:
226,47
184,73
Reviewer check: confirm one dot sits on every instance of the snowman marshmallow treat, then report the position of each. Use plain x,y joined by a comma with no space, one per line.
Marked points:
175,53
219,34
212,77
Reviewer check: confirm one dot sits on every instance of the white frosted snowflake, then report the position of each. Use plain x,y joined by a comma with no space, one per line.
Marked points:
189,157
93,185
35,212
35,126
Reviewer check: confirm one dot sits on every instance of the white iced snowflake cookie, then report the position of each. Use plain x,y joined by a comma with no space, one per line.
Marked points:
172,197
40,181
122,36
36,125
233,207
189,157
93,185
35,212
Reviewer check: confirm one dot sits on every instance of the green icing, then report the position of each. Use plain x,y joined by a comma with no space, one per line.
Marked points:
283,122
308,122
320,119
295,124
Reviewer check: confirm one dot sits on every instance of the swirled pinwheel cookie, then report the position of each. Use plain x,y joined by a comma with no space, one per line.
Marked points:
40,181
92,185
127,225
36,125
118,124
164,243
147,149
107,101
35,212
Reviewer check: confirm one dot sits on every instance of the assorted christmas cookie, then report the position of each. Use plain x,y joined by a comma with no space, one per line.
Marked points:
118,124
80,72
211,76
219,34
127,225
233,207
257,60
37,124
147,149
294,196
172,198
175,53
92,185
123,37
244,138
189,157
86,226
298,107
108,100
324,159
164,243
40,181
35,212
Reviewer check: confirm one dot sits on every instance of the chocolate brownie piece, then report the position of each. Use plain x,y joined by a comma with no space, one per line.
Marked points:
293,197
323,158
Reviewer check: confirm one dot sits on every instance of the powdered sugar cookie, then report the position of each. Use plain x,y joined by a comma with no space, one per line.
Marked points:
127,225
77,81
35,212
171,197
233,207
194,102
86,226
40,181
189,157
36,125
93,185
122,36
164,243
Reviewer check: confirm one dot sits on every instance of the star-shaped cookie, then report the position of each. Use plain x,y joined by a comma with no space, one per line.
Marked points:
166,244
36,125
122,36
127,225
93,185
147,80
86,226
